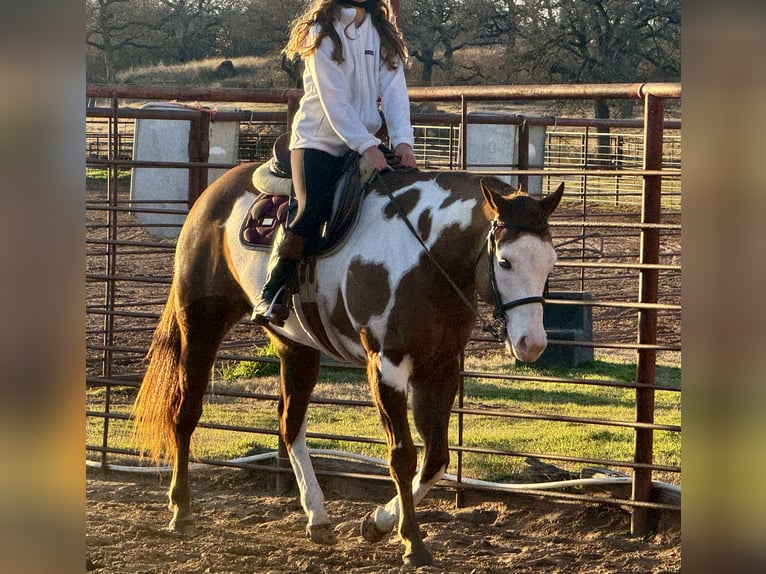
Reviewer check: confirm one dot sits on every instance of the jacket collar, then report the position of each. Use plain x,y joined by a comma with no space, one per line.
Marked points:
347,15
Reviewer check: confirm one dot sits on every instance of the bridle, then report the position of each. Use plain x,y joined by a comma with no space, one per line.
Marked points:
500,307
497,327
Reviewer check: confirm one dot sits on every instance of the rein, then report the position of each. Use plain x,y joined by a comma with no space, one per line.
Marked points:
497,327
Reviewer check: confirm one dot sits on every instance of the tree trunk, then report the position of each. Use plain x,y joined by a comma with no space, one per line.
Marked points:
103,19
603,154
428,67
425,75
293,71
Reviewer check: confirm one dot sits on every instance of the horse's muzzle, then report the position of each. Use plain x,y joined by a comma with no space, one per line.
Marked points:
527,349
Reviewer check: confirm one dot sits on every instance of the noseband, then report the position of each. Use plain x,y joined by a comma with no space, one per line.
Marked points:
500,307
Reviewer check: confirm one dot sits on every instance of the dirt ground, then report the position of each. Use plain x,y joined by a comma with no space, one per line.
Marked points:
243,527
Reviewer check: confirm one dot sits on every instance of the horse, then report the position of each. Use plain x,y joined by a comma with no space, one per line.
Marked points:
397,296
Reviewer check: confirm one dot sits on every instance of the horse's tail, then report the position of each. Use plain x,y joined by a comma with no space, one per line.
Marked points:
159,397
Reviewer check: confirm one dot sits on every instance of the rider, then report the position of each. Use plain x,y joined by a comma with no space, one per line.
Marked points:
354,54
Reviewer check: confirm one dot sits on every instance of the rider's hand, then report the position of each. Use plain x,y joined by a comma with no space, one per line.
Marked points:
406,155
376,158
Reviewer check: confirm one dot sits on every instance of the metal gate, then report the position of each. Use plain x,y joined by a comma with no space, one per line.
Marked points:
619,243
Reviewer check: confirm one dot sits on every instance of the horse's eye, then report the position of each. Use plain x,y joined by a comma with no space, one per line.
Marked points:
504,263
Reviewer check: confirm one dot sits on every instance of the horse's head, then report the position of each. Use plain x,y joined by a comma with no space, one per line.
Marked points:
521,256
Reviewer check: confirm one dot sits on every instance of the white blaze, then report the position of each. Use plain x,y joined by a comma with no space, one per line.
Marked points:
531,260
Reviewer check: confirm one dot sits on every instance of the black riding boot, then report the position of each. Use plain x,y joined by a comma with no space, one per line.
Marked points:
273,305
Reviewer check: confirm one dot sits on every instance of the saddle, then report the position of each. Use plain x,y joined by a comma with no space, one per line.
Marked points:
271,207
270,211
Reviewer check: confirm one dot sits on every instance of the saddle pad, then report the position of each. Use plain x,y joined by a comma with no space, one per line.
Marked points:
263,219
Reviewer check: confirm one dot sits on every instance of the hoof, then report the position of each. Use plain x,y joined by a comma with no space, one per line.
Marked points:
370,531
182,525
418,559
321,534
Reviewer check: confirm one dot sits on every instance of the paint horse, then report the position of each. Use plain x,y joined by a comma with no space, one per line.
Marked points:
397,296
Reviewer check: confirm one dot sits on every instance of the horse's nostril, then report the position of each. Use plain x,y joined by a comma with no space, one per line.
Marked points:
529,347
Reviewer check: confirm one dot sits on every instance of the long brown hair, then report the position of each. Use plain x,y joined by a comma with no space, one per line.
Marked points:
325,12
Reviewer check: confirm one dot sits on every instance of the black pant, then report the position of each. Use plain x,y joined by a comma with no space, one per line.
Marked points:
314,176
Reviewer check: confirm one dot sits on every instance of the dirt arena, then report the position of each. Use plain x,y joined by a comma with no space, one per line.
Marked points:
243,528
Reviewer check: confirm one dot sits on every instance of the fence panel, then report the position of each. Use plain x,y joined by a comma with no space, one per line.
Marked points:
605,271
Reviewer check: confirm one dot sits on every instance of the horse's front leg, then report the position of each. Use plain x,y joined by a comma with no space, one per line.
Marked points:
388,381
299,369
433,393
382,520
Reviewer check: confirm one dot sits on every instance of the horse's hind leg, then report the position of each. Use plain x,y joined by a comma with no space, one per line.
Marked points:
299,369
388,381
203,325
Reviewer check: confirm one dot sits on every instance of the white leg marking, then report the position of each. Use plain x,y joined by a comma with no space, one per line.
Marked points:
386,517
312,498
396,376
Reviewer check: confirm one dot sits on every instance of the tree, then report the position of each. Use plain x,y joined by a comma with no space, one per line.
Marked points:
192,27
111,27
599,41
435,29
258,27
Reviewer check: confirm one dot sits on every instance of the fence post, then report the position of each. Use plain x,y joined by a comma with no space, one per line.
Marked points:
199,149
641,518
111,266
292,108
460,493
523,162
463,132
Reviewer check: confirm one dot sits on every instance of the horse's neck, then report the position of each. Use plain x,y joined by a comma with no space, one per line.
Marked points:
467,244
483,285
445,210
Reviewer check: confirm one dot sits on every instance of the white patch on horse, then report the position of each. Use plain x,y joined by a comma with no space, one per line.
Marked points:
252,265
386,517
531,259
312,498
389,243
396,376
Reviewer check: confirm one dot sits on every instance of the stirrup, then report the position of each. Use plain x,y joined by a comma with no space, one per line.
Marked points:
275,314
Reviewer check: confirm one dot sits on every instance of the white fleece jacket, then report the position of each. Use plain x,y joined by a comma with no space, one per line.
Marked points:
339,107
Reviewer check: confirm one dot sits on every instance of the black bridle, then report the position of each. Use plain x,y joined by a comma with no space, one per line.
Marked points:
500,307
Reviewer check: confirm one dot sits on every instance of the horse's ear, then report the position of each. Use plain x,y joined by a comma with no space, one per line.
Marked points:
550,202
491,196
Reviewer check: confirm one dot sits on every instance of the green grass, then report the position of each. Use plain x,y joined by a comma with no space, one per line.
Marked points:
236,370
99,174
502,433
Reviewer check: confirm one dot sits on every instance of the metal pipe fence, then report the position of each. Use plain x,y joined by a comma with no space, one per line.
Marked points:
618,238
